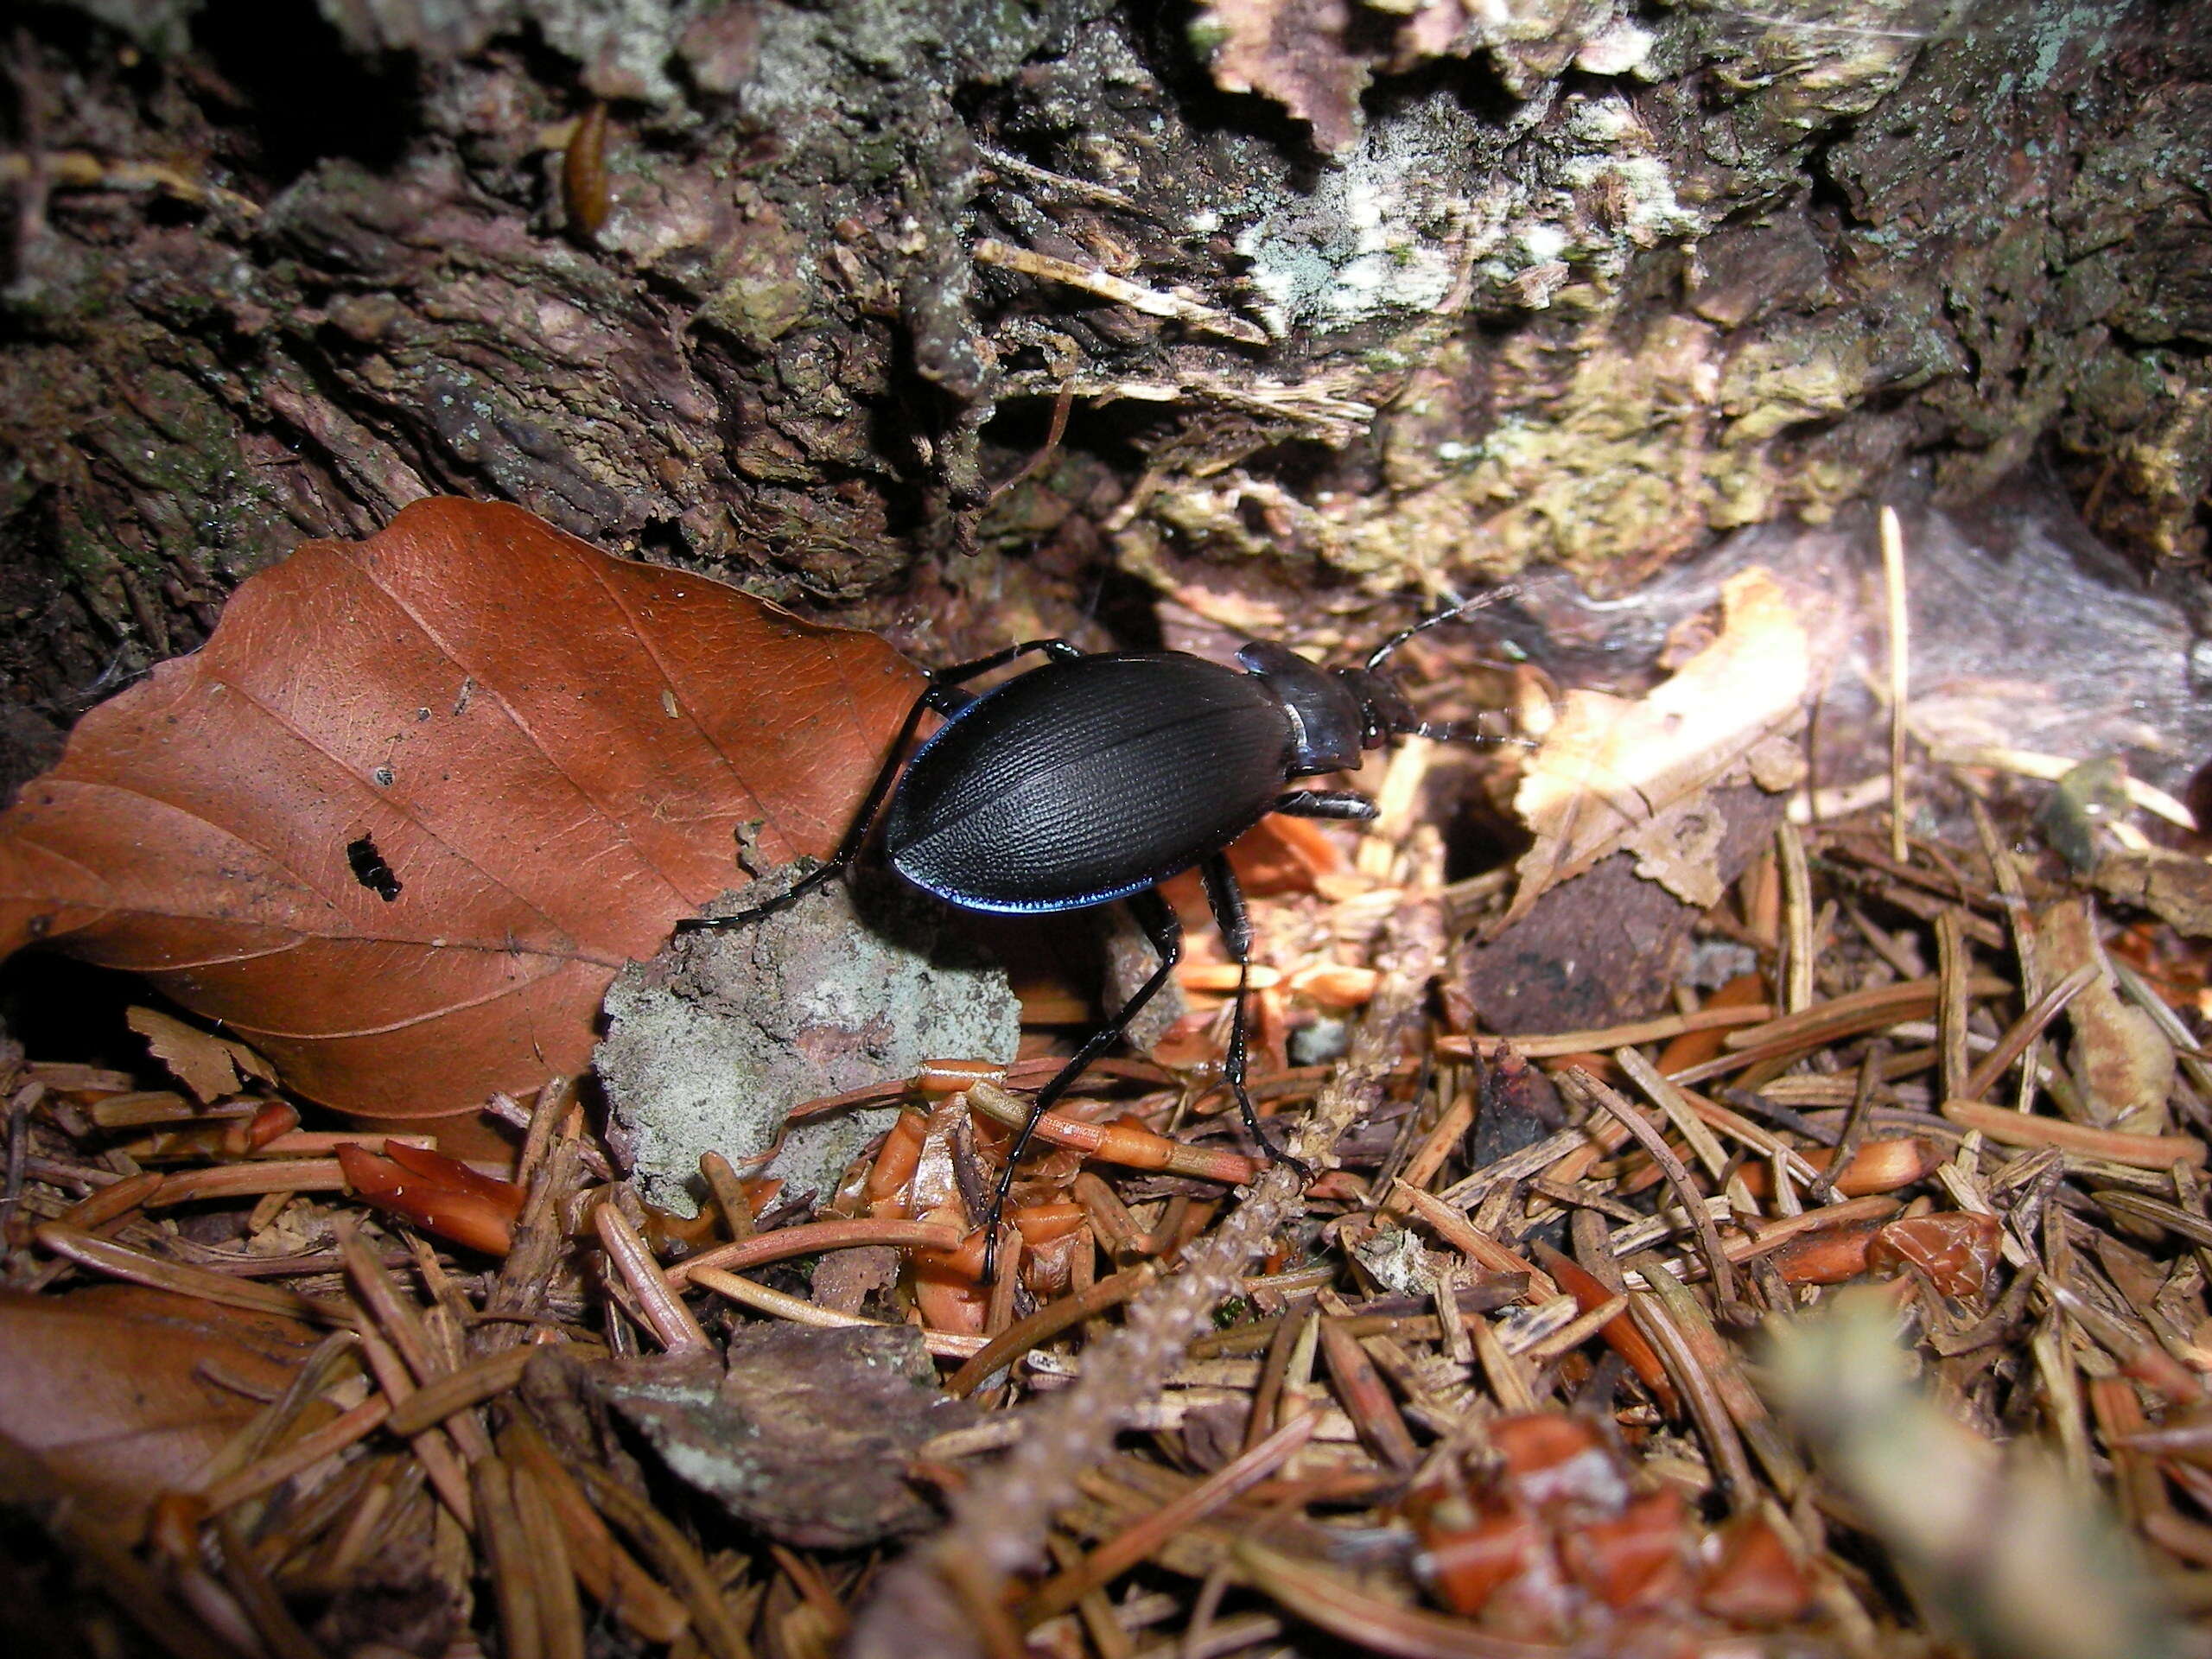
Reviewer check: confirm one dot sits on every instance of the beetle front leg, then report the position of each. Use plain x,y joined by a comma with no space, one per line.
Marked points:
1325,804
941,696
1227,899
1162,927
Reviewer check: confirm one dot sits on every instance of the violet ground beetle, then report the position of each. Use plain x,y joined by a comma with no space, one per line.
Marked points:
1094,778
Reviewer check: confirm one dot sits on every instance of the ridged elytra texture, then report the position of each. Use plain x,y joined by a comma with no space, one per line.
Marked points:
1086,780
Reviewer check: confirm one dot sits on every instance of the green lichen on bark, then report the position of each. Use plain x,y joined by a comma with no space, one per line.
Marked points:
1877,249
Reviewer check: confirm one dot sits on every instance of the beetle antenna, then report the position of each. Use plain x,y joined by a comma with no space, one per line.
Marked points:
1381,654
1466,731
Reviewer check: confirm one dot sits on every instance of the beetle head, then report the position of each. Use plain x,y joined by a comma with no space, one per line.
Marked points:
1337,713
1340,713
1384,712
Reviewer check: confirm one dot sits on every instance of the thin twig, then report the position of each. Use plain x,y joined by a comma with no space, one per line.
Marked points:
675,1556
1716,1258
1899,618
303,1454
673,1322
945,1345
1124,1550
2029,1026
1605,1039
990,250
1048,1322
120,1261
812,1238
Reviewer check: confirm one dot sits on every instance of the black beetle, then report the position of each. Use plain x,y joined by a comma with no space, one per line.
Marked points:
1094,778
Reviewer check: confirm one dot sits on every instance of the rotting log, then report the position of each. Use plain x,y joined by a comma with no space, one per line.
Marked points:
1300,296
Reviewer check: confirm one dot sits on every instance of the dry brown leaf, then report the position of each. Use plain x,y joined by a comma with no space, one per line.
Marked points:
1618,774
209,1065
126,1392
1296,52
2123,1059
540,753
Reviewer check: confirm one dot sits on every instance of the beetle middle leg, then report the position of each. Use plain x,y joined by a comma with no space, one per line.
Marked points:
942,695
1165,930
1227,899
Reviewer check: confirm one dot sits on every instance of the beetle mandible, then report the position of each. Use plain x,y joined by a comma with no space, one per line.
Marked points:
1097,776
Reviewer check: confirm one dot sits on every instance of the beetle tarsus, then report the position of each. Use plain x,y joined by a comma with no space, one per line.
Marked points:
1277,1155
1257,1128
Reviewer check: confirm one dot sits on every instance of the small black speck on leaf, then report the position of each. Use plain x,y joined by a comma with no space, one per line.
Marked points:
369,869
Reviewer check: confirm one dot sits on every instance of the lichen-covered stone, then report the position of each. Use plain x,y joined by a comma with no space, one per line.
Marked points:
711,1045
805,1434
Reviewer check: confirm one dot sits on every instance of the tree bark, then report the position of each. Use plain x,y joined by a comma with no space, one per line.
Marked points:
951,317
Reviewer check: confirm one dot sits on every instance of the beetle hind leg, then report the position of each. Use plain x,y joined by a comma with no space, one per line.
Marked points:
942,695
1161,926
